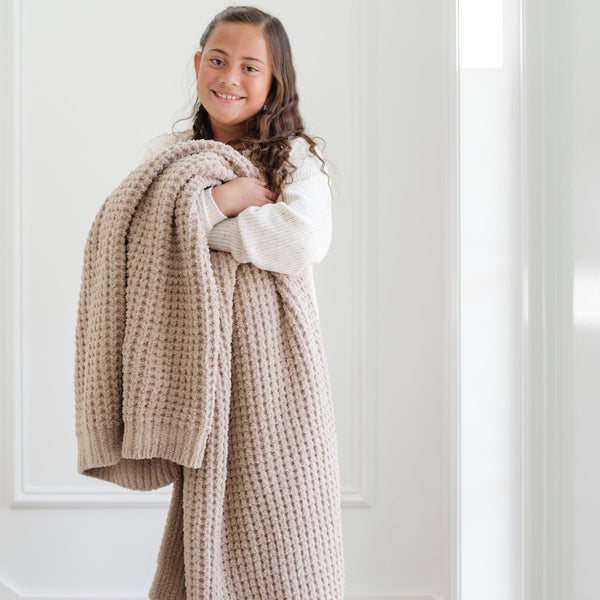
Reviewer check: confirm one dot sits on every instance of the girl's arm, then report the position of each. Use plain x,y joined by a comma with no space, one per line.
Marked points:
285,236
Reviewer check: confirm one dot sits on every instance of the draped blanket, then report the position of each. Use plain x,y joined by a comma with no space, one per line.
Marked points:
196,370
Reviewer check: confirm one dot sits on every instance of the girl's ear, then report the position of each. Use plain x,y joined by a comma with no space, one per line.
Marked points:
197,59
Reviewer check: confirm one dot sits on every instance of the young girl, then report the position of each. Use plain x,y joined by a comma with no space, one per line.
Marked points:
285,541
245,82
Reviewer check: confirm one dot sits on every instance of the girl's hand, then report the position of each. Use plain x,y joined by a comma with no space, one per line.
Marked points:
240,193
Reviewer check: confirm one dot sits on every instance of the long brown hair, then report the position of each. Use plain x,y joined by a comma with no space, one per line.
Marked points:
268,132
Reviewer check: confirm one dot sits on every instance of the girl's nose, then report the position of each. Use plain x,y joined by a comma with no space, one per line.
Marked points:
230,76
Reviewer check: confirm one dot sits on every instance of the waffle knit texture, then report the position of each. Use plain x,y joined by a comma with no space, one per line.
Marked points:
197,370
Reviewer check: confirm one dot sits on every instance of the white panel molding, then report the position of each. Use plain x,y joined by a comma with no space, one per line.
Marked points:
9,593
30,496
356,492
79,498
363,401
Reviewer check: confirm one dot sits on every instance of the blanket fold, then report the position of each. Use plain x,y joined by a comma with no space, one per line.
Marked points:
194,369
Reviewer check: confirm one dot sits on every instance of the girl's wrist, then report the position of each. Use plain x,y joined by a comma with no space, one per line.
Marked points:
217,195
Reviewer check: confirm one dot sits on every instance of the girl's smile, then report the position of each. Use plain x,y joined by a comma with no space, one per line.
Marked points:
233,77
226,97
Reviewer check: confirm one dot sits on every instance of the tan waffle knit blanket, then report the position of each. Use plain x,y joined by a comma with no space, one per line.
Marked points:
196,370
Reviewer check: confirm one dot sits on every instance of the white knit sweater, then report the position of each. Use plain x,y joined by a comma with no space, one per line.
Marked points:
285,237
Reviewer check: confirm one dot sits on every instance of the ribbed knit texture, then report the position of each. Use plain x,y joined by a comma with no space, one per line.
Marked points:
195,369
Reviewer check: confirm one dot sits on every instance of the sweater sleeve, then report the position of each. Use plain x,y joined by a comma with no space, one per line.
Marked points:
212,212
285,237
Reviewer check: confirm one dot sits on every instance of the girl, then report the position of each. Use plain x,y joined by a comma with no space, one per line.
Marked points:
246,88
285,542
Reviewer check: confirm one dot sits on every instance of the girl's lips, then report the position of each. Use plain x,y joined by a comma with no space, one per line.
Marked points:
226,100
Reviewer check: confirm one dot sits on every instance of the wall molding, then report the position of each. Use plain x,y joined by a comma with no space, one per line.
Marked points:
25,495
356,492
359,490
363,401
10,593
451,407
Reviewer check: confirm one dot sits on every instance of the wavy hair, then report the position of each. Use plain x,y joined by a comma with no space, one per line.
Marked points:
268,131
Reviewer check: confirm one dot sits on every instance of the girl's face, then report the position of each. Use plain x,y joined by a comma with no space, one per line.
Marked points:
233,77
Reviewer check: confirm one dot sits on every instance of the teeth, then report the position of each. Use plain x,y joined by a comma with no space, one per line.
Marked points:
227,97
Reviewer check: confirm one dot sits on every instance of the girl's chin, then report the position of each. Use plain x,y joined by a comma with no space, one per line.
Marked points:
226,122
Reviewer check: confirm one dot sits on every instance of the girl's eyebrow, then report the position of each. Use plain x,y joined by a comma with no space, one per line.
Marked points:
243,57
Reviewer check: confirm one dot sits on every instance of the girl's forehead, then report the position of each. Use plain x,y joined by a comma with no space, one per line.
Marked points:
237,37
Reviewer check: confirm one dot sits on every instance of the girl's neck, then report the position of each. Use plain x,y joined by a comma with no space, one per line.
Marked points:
225,134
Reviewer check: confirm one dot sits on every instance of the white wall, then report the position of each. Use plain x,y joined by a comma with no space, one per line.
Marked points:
530,303
569,130
90,83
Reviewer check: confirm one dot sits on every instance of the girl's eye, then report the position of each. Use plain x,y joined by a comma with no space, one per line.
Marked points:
251,68
216,61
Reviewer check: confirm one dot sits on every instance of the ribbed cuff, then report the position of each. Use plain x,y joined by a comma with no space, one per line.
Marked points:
183,444
212,213
142,475
99,446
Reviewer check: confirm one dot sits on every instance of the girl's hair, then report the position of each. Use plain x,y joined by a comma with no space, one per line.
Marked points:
267,132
